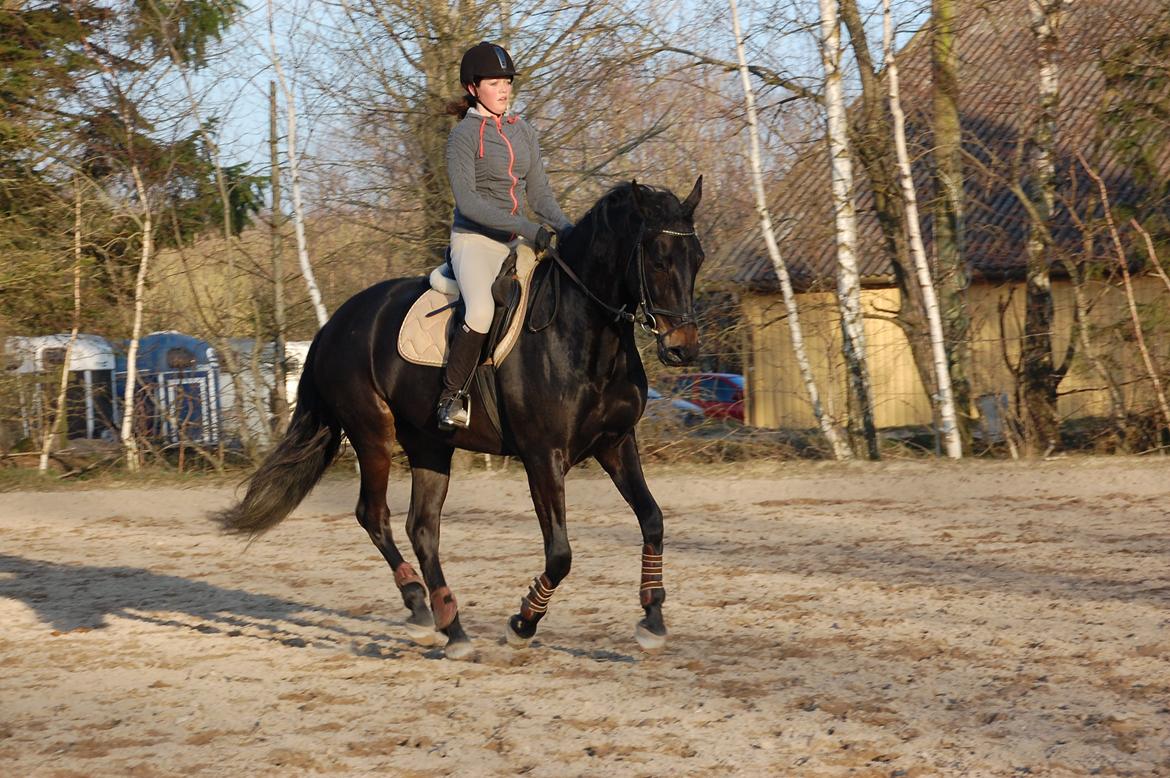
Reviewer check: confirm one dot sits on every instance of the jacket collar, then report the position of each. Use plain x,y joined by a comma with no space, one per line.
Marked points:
475,111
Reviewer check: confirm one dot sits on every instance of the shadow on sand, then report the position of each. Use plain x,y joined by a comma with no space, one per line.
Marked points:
72,597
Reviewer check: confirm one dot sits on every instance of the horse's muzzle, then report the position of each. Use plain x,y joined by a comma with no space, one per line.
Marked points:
679,347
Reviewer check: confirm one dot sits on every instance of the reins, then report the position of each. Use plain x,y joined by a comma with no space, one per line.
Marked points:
648,320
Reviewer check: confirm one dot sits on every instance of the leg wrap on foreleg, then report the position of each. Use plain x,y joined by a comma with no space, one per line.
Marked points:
444,607
651,576
405,574
536,601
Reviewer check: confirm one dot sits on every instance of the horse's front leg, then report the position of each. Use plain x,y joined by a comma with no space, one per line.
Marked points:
546,481
624,466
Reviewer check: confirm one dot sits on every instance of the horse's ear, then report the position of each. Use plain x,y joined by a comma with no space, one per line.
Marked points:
639,202
692,202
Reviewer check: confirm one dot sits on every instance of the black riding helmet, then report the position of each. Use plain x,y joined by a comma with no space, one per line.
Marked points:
485,60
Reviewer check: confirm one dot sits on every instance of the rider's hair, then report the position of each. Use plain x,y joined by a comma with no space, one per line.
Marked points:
461,106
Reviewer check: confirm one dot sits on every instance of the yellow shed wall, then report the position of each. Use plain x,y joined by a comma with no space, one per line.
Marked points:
777,396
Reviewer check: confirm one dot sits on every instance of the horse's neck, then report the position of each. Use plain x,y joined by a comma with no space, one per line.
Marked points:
587,323
604,274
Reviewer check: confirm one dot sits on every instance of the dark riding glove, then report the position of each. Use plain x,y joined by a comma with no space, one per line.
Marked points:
563,234
544,239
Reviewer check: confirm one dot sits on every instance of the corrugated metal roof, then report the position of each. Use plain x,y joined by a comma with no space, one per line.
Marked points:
998,105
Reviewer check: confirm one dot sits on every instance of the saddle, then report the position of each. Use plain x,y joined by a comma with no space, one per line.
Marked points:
426,330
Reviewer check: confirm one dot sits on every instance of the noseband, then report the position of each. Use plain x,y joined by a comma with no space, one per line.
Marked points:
646,312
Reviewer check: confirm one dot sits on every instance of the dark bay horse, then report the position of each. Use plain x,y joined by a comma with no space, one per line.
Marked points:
572,388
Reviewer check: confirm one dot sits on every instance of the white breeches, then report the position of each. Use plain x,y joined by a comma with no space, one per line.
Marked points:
476,260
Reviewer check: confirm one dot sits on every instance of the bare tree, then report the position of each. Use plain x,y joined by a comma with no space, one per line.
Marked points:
58,418
946,399
222,328
848,277
276,250
837,442
1039,376
145,220
294,174
870,135
949,210
396,67
1127,285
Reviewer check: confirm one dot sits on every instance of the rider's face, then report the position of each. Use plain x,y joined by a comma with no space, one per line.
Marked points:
493,94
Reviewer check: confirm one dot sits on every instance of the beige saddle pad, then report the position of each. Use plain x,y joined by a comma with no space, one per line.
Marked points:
423,339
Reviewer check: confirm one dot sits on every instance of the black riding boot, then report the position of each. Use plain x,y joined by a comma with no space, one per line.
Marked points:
462,357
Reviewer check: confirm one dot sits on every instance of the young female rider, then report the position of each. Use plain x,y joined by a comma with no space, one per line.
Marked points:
493,163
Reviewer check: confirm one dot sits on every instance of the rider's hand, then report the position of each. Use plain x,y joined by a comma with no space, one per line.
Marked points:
544,239
563,233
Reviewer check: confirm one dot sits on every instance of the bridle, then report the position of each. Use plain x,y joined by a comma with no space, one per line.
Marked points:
646,312
646,304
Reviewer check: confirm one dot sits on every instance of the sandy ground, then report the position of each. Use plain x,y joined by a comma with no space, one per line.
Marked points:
900,619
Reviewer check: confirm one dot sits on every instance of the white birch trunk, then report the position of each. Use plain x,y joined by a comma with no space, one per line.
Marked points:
1155,263
1039,378
59,416
837,441
295,178
946,398
128,441
841,170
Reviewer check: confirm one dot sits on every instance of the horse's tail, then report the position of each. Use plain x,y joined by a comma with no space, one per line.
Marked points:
293,468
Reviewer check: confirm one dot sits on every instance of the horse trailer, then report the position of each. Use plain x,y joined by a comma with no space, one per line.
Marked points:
34,365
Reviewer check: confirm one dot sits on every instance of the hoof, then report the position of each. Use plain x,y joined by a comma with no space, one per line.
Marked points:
459,650
423,635
514,638
647,639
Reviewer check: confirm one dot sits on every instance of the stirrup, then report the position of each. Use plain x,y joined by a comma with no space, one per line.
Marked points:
454,412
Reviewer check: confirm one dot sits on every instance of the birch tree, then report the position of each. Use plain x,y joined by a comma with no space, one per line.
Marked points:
949,206
294,173
841,172
1039,377
870,133
146,223
276,250
837,442
58,419
946,400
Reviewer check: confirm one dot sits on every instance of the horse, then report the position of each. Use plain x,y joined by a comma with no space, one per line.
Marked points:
572,388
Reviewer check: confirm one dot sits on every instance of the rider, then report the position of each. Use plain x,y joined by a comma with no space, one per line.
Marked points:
493,163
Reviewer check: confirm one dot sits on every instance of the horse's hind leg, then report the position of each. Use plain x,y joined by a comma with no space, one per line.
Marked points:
430,472
374,515
624,466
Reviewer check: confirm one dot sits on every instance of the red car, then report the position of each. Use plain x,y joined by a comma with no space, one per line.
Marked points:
720,395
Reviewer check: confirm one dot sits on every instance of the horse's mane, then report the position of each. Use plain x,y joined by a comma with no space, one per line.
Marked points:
656,206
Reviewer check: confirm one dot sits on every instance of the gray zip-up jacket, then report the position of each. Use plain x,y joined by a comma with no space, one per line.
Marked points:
494,165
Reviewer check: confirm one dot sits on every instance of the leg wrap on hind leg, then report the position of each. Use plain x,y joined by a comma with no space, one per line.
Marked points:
444,607
535,603
651,576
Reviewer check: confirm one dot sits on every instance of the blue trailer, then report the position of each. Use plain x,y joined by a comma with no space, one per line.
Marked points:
178,395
